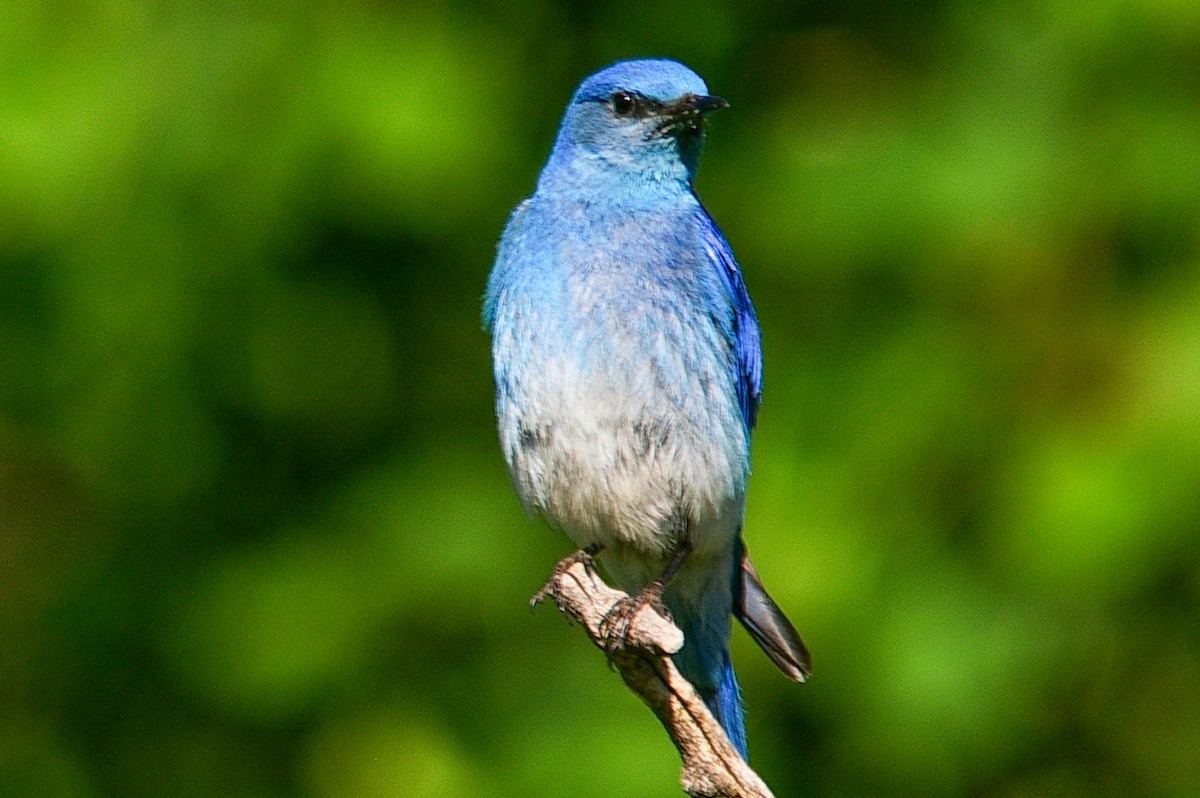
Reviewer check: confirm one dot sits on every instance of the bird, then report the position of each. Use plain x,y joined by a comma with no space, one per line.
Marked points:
628,371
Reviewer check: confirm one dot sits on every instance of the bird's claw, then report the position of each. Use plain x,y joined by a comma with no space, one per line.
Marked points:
616,623
550,587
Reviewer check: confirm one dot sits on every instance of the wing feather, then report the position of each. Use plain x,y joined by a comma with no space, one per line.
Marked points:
746,346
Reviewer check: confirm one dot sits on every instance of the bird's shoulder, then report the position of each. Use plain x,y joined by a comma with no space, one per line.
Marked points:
508,251
514,227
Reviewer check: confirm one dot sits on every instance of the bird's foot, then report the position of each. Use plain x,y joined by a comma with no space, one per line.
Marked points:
615,625
550,588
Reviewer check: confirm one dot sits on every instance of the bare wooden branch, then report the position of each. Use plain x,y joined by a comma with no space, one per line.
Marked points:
712,767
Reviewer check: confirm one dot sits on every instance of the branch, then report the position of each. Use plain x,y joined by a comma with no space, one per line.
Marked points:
712,767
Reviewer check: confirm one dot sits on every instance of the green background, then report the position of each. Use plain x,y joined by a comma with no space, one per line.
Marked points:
256,537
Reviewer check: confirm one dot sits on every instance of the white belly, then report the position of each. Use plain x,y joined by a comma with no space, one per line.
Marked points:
619,469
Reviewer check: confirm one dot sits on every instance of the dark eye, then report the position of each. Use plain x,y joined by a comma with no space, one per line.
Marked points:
623,103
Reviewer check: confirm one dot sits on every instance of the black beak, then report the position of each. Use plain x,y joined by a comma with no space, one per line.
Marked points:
705,103
686,115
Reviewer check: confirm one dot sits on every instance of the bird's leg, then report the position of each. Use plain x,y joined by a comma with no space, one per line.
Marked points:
549,588
615,625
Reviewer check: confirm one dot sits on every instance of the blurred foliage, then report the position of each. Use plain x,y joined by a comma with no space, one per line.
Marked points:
255,534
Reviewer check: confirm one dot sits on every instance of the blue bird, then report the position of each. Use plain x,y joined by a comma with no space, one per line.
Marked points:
628,370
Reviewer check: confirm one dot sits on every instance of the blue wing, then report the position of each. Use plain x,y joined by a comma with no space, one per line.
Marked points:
746,346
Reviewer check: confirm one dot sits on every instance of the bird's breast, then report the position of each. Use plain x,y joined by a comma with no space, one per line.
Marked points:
624,425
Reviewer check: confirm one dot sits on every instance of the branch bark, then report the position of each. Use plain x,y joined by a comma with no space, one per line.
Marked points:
712,767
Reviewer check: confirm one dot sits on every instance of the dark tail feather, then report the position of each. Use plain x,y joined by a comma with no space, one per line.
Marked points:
767,624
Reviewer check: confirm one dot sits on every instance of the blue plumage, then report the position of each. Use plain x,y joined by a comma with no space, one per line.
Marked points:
628,369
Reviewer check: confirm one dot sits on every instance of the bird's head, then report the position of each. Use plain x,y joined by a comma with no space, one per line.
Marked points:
636,119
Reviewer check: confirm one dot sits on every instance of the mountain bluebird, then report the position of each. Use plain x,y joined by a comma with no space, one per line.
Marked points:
628,371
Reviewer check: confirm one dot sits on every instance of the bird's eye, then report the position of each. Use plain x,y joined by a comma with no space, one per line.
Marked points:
623,103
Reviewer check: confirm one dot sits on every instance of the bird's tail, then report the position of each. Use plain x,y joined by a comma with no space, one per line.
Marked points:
704,660
703,615
766,623
727,706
